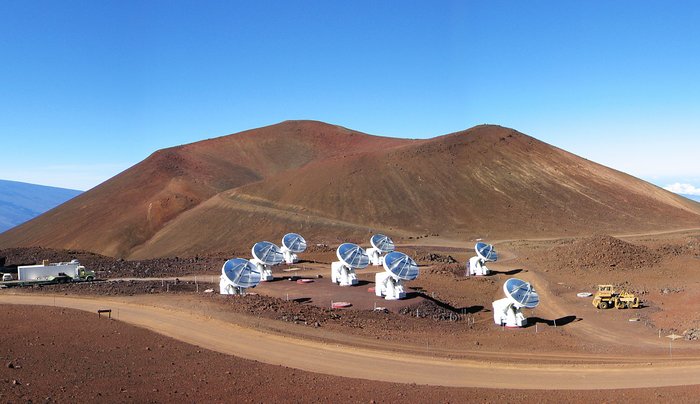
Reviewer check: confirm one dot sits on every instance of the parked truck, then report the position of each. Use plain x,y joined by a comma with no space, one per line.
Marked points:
48,271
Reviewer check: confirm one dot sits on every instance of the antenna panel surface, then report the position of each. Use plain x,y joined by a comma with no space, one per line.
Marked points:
486,251
382,243
521,293
267,253
352,255
294,243
241,272
401,266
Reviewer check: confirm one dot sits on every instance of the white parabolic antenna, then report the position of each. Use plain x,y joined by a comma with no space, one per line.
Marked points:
267,253
352,255
486,252
241,273
401,266
521,293
294,243
382,243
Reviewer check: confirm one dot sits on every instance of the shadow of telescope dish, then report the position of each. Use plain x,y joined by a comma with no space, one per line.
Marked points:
486,252
294,243
401,266
267,253
241,272
352,255
382,243
521,293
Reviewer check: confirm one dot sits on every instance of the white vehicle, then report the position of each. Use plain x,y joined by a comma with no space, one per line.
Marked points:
48,271
6,277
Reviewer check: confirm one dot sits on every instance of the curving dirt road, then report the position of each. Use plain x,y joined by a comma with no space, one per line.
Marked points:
341,360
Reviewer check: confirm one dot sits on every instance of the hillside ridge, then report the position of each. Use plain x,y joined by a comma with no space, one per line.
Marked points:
331,184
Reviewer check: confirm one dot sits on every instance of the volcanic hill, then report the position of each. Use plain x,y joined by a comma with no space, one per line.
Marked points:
333,184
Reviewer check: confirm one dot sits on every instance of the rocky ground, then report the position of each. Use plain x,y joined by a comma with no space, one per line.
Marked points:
454,311
120,363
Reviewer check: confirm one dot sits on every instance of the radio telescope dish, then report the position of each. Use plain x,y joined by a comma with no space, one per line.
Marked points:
521,293
294,243
352,255
237,275
486,252
267,253
401,266
477,265
241,272
382,243
398,267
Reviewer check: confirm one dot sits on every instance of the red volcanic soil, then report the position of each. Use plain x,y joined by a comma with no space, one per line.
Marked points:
118,362
72,356
333,184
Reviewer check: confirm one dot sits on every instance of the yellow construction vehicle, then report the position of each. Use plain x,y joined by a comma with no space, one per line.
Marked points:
607,297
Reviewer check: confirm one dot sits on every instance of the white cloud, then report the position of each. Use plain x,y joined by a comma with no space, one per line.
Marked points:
685,189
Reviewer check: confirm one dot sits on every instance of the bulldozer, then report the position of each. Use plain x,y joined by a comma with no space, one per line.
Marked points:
607,297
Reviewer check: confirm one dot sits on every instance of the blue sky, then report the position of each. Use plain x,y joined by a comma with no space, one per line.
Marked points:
89,88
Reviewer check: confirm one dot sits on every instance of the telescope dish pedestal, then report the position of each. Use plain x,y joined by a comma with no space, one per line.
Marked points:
226,288
342,274
265,270
506,313
375,256
289,257
477,266
388,287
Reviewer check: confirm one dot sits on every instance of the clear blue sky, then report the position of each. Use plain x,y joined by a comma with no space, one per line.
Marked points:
89,88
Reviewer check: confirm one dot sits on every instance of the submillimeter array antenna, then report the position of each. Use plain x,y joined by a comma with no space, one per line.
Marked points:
351,257
237,275
519,294
265,256
381,244
477,265
398,267
292,244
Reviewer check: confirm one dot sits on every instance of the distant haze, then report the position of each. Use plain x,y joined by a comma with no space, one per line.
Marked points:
20,201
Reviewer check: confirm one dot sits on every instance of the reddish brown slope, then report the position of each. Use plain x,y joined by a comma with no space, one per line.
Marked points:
127,210
488,181
333,184
484,181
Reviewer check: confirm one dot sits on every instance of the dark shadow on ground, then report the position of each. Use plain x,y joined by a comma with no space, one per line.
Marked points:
509,273
302,300
559,322
456,310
